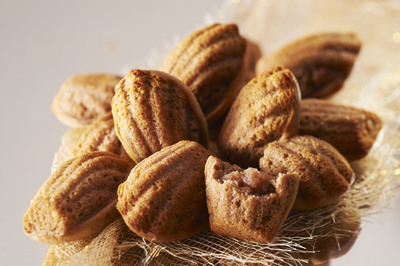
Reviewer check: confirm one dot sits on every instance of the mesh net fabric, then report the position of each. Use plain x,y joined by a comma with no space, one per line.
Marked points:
374,84
293,245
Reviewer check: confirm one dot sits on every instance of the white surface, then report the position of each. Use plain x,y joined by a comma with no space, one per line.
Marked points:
45,42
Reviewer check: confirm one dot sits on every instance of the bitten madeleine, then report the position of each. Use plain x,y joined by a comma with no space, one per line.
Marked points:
247,204
84,98
352,131
266,109
100,136
210,61
324,173
78,200
321,62
164,198
153,110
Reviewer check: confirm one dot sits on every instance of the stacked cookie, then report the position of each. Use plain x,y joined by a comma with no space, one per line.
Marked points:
211,140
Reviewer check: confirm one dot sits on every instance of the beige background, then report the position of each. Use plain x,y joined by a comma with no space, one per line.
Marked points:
43,43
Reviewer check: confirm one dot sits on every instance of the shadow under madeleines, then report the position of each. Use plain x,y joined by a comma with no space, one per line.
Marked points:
272,152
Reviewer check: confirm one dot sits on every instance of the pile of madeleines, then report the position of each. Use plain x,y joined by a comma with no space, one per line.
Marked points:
220,138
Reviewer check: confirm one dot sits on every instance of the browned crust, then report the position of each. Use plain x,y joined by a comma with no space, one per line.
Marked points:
152,110
352,131
321,62
163,198
266,109
210,62
77,200
325,175
83,98
100,136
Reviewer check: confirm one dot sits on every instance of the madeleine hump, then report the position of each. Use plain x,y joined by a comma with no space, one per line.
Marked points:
210,61
325,174
321,62
83,98
78,200
246,203
153,110
164,197
266,109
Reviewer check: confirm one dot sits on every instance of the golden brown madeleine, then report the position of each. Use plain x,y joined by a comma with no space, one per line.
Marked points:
78,200
210,62
164,198
321,62
324,173
153,110
247,204
100,136
83,98
266,109
352,131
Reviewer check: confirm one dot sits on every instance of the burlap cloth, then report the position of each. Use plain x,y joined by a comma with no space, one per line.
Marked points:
374,84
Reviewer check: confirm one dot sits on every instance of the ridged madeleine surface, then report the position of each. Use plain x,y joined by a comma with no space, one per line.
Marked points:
78,200
210,62
83,98
246,203
100,136
153,110
352,131
324,173
266,109
163,198
321,62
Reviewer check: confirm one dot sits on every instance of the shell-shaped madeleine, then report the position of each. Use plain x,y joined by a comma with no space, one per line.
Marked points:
352,131
100,136
153,110
163,199
324,173
78,200
266,109
321,62
210,62
246,203
84,97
